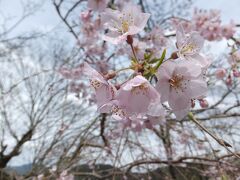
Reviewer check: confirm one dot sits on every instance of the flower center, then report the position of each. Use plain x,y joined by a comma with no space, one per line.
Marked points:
117,111
188,48
178,83
126,21
141,89
95,83
125,26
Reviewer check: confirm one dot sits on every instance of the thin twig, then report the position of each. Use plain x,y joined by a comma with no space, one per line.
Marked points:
222,142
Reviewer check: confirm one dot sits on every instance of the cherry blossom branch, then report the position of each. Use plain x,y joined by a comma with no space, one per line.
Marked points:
102,125
220,141
26,78
123,69
4,159
130,42
134,53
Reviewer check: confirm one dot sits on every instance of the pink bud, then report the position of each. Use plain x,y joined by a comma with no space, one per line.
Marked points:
148,124
65,72
203,103
236,73
76,87
85,16
220,73
129,39
229,81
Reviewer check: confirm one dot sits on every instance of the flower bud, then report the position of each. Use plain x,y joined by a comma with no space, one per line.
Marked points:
229,81
174,55
117,86
220,73
85,16
203,103
129,39
110,75
236,73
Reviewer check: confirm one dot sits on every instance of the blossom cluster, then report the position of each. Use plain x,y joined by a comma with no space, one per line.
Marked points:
208,24
231,72
155,86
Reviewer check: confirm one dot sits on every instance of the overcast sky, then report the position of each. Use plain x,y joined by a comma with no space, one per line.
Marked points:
46,18
229,8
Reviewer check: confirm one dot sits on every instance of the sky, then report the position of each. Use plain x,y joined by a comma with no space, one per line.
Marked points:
46,18
229,8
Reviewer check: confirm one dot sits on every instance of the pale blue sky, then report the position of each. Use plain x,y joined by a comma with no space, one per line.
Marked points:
229,8
46,18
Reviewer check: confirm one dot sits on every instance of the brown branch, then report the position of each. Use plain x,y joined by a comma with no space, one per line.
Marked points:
57,7
220,141
102,128
4,159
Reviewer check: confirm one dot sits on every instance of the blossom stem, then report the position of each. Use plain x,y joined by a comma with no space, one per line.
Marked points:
161,60
130,42
220,141
134,53
123,69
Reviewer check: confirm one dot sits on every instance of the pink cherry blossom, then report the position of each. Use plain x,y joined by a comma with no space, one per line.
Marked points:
181,113
234,59
139,48
102,66
86,16
97,5
104,90
129,21
137,105
220,73
75,73
134,123
236,73
189,46
156,36
228,30
90,35
94,49
137,123
119,113
179,83
187,26
76,87
136,95
212,31
208,24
